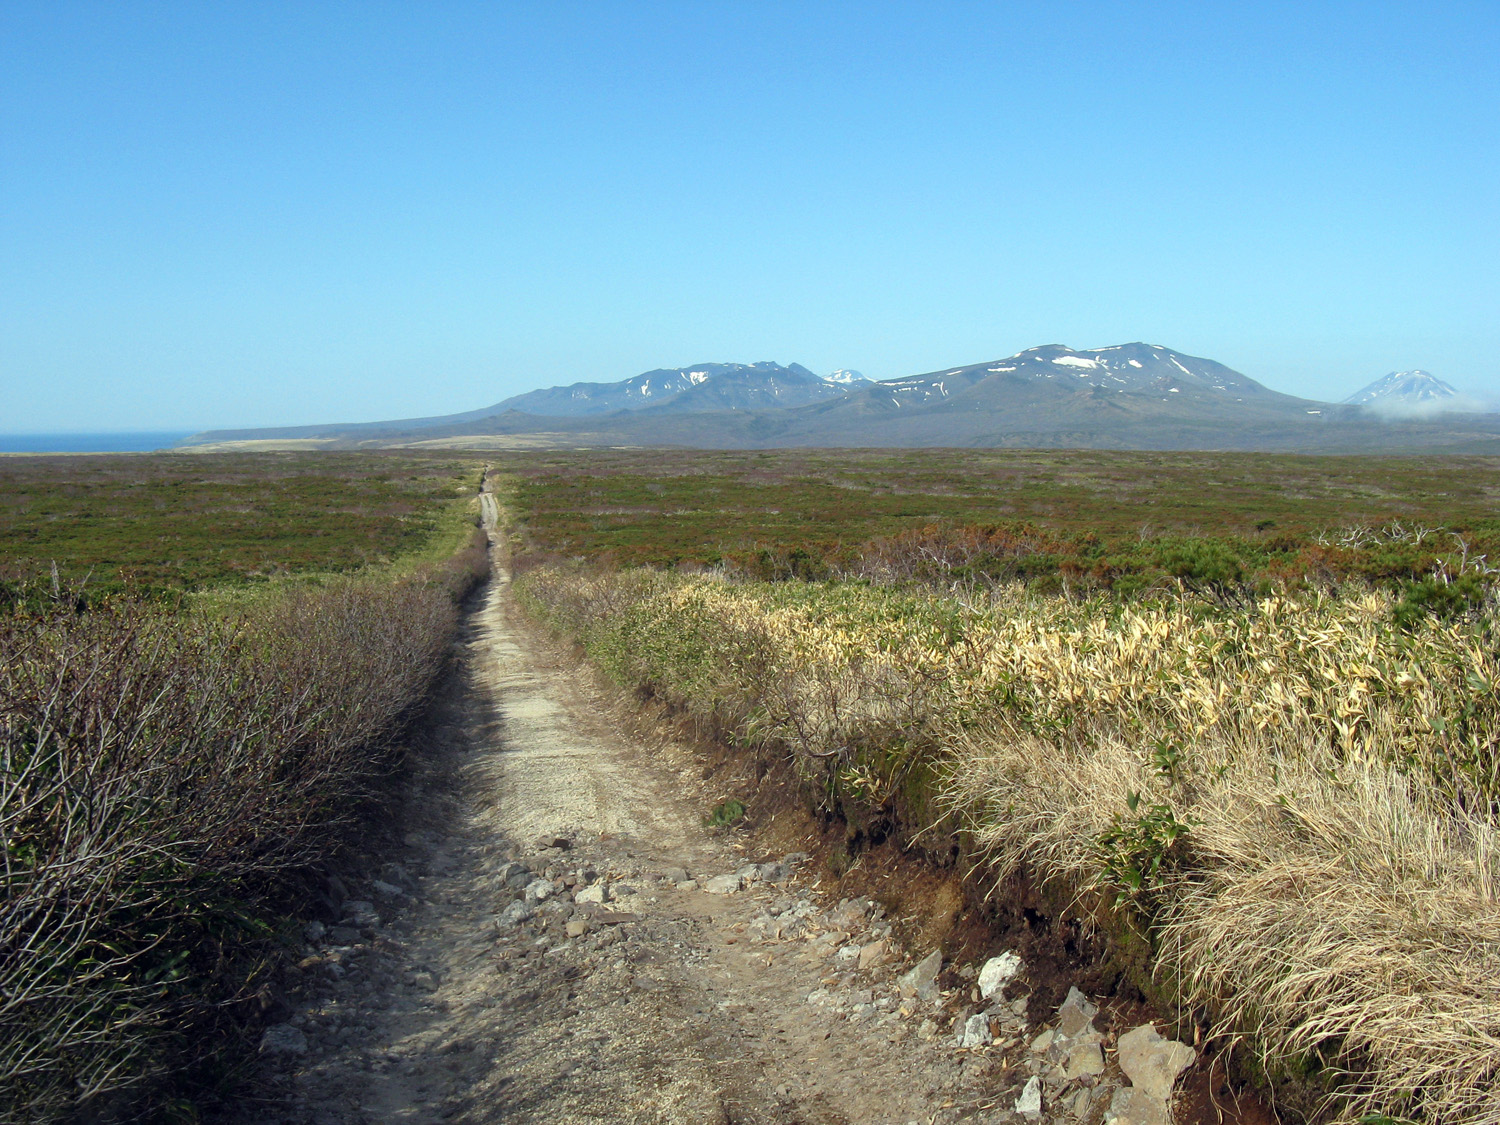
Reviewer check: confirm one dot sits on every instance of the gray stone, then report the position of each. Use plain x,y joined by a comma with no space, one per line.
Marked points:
343,935
976,1032
1084,1058
1071,1023
395,873
595,894
997,973
386,890
722,885
538,890
1076,999
921,981
1130,1106
359,910
1029,1104
675,875
513,915
283,1039
849,915
613,917
873,955
314,931
1076,1015
1152,1063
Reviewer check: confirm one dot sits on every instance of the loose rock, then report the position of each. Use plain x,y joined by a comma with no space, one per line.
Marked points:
513,915
283,1039
595,894
1029,1104
976,1032
1152,1063
1076,1015
1135,1107
1084,1058
873,955
921,981
997,973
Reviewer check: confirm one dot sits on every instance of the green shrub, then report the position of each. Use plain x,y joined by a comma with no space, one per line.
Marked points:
726,813
1433,598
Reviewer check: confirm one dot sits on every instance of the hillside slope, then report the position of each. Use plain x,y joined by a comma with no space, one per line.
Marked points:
1129,396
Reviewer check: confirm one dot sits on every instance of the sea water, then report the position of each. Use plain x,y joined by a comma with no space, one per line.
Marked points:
136,441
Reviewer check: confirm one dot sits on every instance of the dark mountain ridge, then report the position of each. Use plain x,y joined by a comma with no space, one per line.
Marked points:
1129,396
704,386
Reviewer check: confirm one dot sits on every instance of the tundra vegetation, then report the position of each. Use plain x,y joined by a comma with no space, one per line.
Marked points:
1266,768
186,735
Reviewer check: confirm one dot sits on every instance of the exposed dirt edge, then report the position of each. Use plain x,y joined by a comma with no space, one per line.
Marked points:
938,897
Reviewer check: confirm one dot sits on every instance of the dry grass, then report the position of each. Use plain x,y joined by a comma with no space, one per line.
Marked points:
1333,912
1293,799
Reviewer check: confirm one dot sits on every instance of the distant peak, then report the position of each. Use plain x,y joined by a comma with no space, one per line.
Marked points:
1409,393
845,376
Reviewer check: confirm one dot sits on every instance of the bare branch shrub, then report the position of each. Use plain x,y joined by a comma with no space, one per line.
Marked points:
156,774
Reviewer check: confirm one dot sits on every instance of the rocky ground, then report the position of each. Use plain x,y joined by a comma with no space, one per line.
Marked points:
559,938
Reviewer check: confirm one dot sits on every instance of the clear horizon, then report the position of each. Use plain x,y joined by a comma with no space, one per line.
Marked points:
286,214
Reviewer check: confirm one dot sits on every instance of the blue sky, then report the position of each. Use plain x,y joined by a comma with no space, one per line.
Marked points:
217,214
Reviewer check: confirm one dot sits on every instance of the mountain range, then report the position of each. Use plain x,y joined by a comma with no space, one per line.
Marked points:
704,387
1129,396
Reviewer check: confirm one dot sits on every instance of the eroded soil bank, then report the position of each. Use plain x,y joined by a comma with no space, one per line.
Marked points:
553,942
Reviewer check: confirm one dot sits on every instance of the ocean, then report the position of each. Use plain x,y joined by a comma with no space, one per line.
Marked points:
131,442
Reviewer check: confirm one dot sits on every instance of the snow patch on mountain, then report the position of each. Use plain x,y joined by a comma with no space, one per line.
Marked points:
1413,394
845,377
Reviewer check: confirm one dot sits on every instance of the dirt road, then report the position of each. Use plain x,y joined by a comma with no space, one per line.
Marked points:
561,939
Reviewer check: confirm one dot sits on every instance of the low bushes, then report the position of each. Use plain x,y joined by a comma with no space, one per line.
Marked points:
160,775
1293,799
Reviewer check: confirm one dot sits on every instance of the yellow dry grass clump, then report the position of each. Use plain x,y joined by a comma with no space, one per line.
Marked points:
1295,799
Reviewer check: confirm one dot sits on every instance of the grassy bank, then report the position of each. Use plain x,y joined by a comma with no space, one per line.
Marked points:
1288,804
168,770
